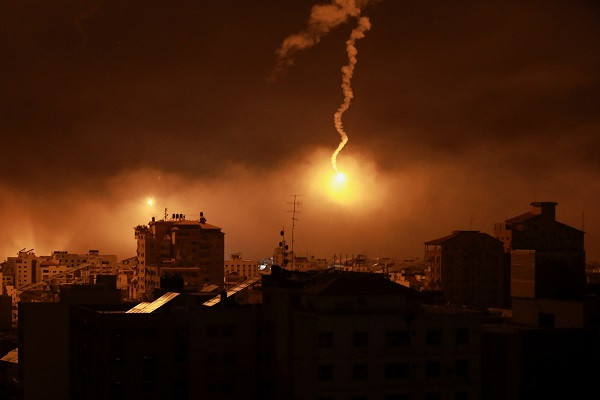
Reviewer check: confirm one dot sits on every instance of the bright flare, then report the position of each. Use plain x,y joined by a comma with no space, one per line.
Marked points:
340,178
150,201
340,190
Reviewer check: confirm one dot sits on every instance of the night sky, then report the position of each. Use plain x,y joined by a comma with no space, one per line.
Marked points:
463,113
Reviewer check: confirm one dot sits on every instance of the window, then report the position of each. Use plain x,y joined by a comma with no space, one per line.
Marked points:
361,339
118,390
432,396
433,369
325,340
396,397
462,368
546,320
434,337
397,338
325,372
462,336
461,396
359,372
397,370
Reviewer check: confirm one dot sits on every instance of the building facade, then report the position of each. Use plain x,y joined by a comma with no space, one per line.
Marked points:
178,243
469,268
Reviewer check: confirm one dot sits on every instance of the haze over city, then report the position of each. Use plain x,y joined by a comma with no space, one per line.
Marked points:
463,114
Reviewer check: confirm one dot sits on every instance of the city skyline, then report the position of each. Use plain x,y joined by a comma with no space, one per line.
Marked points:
463,114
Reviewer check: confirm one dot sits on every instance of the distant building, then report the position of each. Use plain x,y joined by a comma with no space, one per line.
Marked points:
25,267
469,268
238,268
178,243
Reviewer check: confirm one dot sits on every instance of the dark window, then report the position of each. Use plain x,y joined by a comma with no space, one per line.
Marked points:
118,390
359,371
360,398
295,300
325,340
227,387
461,396
462,336
433,369
432,396
434,337
396,397
325,372
361,339
397,338
462,368
397,370
546,320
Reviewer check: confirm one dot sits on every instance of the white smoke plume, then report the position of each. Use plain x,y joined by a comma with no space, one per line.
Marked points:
347,71
323,18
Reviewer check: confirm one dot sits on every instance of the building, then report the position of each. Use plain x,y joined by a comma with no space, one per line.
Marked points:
547,264
469,268
239,269
547,256
178,243
349,335
44,340
25,267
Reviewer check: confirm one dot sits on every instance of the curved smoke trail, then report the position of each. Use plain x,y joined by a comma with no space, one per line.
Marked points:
347,71
323,18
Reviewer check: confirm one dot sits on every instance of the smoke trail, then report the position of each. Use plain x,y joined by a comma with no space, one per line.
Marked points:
347,71
323,18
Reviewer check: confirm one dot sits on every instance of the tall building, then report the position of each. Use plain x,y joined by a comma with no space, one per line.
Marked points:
25,267
547,256
469,268
179,243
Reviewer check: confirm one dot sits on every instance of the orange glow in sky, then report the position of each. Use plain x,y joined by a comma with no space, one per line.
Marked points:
357,186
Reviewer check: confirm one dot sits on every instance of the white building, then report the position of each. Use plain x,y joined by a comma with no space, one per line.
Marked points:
238,268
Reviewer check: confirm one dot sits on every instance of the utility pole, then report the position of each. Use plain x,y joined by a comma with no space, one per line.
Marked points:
294,219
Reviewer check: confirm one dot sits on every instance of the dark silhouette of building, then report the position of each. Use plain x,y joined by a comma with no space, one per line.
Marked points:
469,268
357,335
547,257
548,345
320,334
43,356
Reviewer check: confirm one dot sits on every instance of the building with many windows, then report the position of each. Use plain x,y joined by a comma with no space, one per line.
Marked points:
178,243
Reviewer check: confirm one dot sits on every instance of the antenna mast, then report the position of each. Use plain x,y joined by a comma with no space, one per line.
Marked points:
294,219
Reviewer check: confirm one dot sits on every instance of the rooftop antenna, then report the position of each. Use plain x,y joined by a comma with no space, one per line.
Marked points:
294,219
471,222
284,249
582,221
